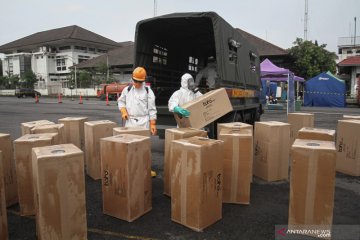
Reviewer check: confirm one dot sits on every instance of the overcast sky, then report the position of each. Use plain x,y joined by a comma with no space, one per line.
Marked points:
277,21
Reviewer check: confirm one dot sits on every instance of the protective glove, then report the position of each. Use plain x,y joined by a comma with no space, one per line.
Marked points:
181,111
153,129
124,113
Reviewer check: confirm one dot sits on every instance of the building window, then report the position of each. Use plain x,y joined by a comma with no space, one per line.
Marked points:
193,64
60,64
92,49
102,51
80,48
10,66
160,55
349,51
357,52
252,57
82,58
64,48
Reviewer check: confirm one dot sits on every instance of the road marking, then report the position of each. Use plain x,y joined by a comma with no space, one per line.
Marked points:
116,234
98,231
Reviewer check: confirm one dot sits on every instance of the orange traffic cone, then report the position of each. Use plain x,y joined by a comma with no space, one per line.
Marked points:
107,99
36,98
59,98
81,102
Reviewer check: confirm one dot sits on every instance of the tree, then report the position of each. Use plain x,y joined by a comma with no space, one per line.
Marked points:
308,59
84,78
29,79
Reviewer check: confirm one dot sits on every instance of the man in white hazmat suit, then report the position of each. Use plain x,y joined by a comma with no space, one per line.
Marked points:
209,73
186,93
137,103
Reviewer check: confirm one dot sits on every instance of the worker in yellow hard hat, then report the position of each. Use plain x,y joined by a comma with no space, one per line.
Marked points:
137,104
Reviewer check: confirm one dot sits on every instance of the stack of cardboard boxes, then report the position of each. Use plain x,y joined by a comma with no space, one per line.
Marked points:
3,213
132,130
312,184
23,158
237,164
27,126
196,183
59,191
94,131
348,145
170,135
74,130
126,179
8,169
271,150
298,121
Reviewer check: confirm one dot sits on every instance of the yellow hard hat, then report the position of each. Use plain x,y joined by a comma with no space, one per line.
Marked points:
139,74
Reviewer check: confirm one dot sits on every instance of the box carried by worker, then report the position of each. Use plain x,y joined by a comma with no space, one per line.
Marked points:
205,109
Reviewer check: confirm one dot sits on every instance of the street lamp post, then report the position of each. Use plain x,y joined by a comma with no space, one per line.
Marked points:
74,64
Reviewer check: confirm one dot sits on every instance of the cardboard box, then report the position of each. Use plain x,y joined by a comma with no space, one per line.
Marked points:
23,147
347,146
74,130
351,117
196,183
59,190
205,109
234,125
27,126
237,165
9,171
126,177
132,130
170,135
51,128
94,130
3,213
298,121
271,150
312,184
316,134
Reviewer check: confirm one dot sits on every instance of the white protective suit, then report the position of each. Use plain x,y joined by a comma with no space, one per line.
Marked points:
183,95
140,106
209,73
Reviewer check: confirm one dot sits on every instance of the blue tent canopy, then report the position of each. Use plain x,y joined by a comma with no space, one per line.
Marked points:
325,90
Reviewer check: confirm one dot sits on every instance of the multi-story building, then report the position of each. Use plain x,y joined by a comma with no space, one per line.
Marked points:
349,63
50,54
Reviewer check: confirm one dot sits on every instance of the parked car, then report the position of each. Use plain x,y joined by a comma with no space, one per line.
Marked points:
26,92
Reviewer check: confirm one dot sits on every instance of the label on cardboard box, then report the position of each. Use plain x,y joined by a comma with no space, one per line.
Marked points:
205,109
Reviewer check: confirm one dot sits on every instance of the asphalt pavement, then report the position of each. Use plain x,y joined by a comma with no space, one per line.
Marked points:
269,201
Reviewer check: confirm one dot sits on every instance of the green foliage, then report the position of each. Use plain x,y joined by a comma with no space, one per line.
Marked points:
309,59
29,79
84,79
9,81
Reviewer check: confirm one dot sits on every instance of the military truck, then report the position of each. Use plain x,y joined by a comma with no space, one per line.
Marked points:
170,45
